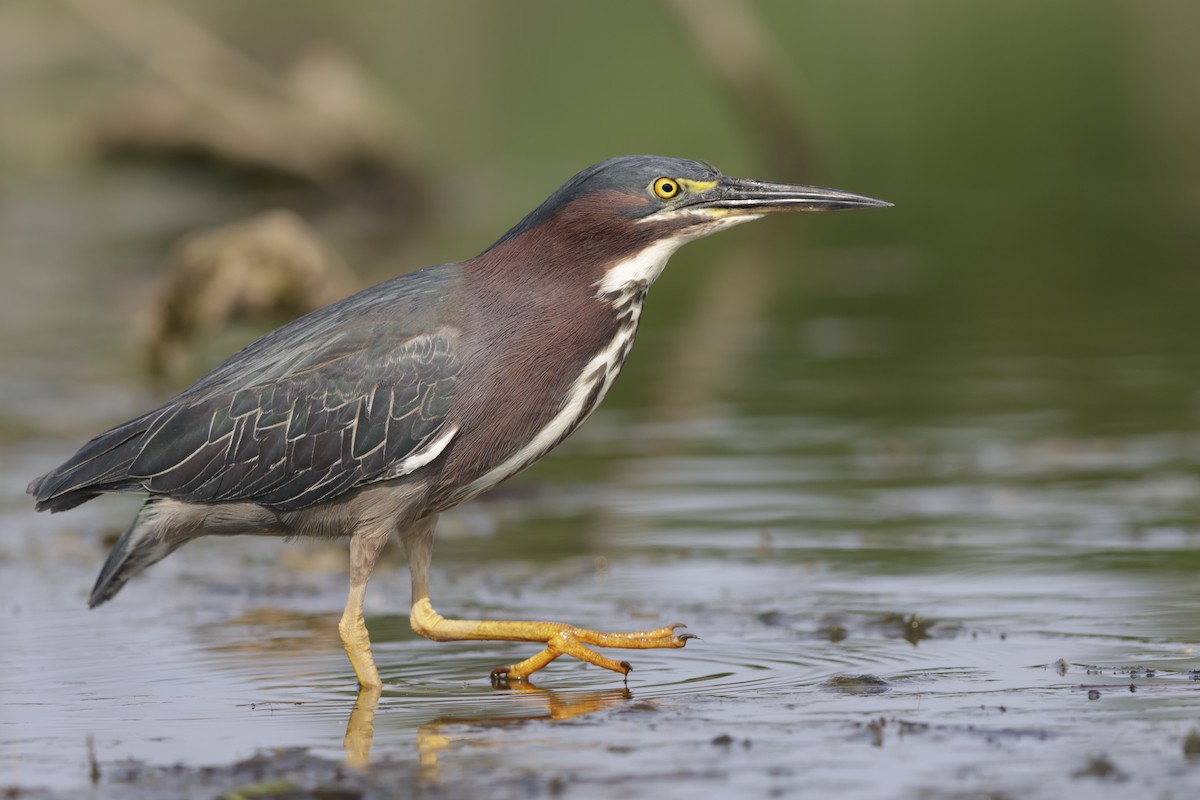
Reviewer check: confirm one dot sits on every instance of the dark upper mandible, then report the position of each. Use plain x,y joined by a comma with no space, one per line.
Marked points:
446,374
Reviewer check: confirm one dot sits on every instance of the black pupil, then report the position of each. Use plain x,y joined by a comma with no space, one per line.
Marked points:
668,187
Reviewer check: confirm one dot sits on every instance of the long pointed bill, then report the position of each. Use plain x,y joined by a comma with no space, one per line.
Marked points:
744,196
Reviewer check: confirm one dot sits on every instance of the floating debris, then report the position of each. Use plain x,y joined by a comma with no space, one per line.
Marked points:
1100,767
1191,744
857,684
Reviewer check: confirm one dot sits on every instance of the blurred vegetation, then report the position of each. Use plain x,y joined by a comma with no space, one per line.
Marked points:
1041,158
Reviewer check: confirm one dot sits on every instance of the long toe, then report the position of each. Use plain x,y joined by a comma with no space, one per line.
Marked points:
559,639
573,642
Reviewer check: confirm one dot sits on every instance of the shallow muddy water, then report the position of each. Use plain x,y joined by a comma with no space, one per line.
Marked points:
936,610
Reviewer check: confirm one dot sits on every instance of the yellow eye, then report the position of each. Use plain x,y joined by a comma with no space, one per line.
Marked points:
666,188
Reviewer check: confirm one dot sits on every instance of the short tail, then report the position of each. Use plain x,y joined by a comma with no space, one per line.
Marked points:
138,548
101,465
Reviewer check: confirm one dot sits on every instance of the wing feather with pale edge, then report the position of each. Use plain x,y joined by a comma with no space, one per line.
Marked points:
346,396
308,438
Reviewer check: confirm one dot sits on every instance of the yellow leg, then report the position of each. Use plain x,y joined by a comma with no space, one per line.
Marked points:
560,639
364,549
357,641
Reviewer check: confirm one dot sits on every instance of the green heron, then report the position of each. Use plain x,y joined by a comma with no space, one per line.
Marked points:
369,417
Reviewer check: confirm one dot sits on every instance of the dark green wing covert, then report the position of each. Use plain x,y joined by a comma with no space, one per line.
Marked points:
356,392
363,414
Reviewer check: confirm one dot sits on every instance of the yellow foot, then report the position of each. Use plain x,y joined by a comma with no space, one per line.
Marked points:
571,641
560,639
358,649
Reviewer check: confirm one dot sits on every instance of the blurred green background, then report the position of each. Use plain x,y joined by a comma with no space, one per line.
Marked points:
1041,158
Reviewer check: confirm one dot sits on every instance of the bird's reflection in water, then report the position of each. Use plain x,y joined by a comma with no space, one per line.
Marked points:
433,736
360,729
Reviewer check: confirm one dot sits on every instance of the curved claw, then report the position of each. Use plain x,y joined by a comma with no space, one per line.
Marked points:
683,637
500,676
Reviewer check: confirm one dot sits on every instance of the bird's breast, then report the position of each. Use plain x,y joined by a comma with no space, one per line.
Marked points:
576,402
